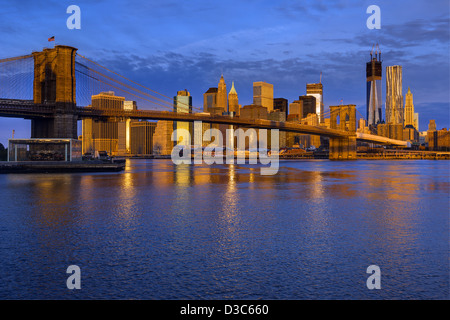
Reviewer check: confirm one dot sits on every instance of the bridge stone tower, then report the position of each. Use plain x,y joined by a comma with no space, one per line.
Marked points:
343,148
54,86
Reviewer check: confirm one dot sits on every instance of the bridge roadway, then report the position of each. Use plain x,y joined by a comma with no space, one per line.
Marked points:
28,109
207,118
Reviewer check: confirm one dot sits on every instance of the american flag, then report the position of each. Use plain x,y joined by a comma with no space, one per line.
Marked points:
51,38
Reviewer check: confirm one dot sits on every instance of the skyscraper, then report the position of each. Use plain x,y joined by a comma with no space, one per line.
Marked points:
103,135
416,121
411,118
432,125
263,95
296,108
309,104
373,79
281,104
394,95
124,129
210,99
222,95
182,102
142,137
233,101
316,90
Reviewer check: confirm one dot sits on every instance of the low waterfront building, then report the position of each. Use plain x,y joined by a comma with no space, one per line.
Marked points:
37,149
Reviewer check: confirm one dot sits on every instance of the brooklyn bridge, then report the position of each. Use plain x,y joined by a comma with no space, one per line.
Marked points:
53,88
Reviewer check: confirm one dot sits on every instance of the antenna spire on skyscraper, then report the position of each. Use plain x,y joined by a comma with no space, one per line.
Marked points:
379,52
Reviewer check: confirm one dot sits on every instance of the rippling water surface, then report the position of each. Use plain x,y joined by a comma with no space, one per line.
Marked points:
160,231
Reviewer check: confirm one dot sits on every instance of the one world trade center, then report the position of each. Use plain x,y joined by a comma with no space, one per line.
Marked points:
373,78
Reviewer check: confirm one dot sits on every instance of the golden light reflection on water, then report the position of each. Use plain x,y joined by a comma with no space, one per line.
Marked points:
52,197
183,174
222,224
202,175
127,196
231,198
388,197
319,216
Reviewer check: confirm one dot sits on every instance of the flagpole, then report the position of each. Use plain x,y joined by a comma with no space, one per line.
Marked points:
52,38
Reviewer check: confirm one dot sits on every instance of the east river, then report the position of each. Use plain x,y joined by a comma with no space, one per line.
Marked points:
161,231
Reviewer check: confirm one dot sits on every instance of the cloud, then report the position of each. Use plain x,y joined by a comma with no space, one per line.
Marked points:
172,45
313,8
343,75
413,33
169,72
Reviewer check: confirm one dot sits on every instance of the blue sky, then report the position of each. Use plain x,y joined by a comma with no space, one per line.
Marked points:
175,45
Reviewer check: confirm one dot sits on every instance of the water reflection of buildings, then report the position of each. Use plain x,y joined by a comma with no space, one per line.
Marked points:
52,198
48,214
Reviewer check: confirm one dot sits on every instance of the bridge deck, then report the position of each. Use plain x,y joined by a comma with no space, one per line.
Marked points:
191,117
28,109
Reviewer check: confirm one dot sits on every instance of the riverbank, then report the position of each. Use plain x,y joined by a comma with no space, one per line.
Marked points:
404,155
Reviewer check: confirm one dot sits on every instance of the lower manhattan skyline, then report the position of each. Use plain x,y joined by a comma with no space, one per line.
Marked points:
152,46
220,158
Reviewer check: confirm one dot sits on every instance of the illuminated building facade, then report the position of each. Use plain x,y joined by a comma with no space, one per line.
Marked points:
114,137
316,90
438,140
103,135
222,95
263,95
233,101
416,121
391,131
410,134
182,103
394,95
142,137
295,110
210,99
124,142
411,118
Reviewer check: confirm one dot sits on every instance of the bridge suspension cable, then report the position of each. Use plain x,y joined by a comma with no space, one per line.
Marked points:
159,101
16,58
123,90
16,77
364,117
